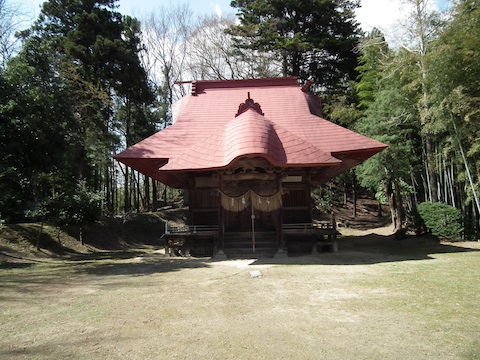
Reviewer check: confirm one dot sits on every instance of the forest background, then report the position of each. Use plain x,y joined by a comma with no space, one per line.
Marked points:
84,82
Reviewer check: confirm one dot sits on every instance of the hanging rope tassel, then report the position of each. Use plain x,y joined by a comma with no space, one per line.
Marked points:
261,203
267,203
234,204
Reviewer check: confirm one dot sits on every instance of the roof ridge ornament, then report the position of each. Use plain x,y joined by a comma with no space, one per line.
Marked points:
307,85
249,104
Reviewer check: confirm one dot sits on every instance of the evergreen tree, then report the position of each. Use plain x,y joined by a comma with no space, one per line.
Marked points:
422,28
35,130
373,57
78,59
98,58
390,118
313,39
455,79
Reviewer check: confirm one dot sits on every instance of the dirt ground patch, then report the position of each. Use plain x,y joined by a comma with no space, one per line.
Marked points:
377,298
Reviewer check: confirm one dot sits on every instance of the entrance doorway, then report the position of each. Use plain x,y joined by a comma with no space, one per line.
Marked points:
251,230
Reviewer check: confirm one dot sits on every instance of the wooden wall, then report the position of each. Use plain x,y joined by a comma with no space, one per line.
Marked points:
204,205
296,204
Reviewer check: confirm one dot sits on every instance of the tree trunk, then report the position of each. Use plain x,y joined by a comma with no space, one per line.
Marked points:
127,200
426,187
37,245
80,161
146,184
354,193
432,174
108,190
127,203
58,235
391,198
116,205
113,189
400,211
451,185
80,234
134,191
154,196
469,174
285,66
165,195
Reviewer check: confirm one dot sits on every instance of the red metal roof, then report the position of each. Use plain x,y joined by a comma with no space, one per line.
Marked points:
211,131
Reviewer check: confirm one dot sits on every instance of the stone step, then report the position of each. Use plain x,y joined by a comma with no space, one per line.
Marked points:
239,245
260,244
243,253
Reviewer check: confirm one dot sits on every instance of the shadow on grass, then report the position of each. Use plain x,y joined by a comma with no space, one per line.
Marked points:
353,250
31,233
15,265
112,235
374,249
106,255
141,266
52,277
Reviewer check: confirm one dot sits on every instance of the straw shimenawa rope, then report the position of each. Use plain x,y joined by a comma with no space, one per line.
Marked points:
261,203
235,204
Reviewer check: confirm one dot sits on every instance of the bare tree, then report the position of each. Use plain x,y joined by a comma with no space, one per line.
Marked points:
210,50
166,32
11,17
212,54
178,48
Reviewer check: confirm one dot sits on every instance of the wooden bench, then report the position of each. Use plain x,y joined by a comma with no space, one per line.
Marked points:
186,240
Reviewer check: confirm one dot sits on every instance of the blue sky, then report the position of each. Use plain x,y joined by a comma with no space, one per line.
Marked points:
379,13
442,4
139,7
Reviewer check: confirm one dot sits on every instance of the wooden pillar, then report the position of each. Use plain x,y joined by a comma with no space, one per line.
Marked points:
281,240
221,227
281,235
334,236
281,243
308,195
191,205
220,255
221,217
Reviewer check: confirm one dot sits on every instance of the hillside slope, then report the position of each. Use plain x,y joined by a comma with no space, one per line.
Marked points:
136,232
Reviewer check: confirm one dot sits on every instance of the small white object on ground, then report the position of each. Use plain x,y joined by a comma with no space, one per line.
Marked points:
255,274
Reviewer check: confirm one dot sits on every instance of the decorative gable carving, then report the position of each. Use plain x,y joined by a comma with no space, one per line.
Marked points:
249,104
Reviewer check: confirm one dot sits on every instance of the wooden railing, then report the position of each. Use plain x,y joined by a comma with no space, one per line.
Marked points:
182,238
189,229
185,239
323,225
324,233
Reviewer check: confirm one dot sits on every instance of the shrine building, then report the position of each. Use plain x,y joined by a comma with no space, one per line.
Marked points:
247,153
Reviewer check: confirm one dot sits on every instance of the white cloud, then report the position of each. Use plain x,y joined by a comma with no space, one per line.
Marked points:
378,13
389,16
218,10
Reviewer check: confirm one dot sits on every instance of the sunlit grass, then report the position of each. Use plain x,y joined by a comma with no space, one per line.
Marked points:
386,299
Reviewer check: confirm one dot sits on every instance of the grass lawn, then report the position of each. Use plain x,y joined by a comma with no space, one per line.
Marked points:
376,298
